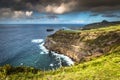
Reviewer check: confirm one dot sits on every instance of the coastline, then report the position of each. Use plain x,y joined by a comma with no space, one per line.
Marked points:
83,45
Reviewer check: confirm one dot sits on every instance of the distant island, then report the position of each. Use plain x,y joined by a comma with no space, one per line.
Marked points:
104,23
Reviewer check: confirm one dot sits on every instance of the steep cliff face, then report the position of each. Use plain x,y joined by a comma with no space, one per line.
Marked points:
84,45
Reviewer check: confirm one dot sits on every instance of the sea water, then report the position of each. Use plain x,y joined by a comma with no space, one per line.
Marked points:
22,45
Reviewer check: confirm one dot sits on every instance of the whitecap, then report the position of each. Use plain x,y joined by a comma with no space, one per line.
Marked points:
21,64
44,50
37,40
51,65
42,53
65,58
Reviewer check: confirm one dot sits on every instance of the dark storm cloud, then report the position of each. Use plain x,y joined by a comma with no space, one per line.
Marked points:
51,17
62,6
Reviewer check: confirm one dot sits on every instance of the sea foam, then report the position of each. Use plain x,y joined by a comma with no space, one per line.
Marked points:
44,50
37,40
58,56
65,58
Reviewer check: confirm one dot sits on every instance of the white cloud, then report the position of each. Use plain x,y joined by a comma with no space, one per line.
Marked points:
29,13
56,9
19,14
64,7
9,13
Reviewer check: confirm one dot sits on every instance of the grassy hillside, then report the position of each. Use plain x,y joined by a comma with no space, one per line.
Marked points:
106,67
82,45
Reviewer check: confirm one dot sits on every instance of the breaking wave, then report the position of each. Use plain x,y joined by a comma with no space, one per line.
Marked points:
37,40
60,58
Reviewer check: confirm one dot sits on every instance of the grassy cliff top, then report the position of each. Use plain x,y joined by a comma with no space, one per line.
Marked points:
105,29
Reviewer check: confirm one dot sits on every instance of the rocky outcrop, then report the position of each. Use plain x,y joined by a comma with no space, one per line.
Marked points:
83,45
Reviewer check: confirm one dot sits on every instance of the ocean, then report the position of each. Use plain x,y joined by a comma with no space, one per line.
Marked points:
22,45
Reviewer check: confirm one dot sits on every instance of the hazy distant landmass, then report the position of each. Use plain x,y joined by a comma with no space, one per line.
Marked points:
104,23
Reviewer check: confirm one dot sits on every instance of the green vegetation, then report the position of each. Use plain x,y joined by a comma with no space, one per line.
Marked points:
111,28
106,67
82,45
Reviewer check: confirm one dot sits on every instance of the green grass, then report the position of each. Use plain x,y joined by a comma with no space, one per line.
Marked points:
111,28
106,67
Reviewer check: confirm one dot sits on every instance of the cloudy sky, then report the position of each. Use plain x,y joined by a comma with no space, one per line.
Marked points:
58,11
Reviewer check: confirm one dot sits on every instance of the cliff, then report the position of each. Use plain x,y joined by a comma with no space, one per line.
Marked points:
84,45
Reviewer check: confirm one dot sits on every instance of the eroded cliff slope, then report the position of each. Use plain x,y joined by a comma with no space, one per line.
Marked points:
84,45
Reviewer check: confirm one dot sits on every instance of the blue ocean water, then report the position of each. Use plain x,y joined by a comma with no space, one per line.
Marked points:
22,45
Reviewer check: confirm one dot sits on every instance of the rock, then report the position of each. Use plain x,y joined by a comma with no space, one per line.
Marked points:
49,30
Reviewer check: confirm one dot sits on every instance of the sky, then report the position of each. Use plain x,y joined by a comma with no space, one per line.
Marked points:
58,11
